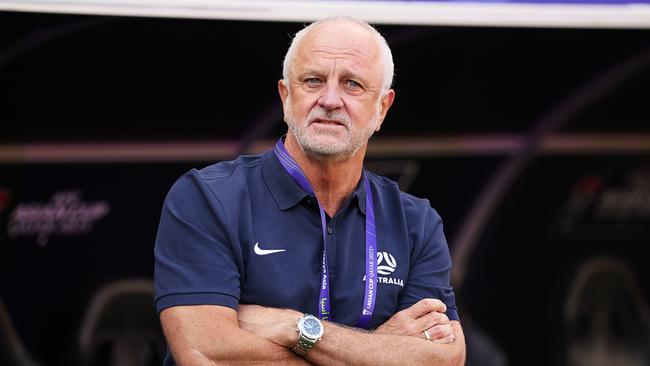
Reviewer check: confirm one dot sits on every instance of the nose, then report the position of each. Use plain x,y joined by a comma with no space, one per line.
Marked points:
331,98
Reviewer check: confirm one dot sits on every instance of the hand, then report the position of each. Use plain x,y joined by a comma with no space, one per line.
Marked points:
276,325
426,314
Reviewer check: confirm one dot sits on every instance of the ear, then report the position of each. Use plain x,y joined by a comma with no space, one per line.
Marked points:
386,102
283,89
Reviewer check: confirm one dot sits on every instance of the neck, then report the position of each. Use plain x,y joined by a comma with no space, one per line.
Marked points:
332,180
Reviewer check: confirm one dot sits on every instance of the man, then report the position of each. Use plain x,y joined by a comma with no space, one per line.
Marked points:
246,247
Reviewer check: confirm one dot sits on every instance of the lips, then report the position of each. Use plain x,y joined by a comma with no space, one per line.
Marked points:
328,122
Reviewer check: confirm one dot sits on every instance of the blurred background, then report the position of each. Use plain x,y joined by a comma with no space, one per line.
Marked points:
527,126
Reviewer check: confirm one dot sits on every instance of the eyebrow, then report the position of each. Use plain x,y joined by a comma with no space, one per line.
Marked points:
311,71
346,74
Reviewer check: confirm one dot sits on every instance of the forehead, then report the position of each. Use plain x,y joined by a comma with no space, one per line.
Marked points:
340,41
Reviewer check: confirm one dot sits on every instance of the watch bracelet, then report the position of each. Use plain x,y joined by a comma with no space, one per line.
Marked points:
303,346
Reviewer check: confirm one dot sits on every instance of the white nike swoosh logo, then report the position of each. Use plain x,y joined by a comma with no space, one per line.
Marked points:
260,251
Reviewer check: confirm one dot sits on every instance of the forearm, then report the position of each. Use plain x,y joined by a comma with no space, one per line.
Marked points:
350,346
245,350
341,345
223,342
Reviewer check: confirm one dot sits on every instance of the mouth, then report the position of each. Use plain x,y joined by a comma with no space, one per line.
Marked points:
328,122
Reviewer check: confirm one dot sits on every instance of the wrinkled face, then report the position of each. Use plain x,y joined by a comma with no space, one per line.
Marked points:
334,100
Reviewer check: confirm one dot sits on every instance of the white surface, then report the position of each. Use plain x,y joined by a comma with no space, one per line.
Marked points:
382,12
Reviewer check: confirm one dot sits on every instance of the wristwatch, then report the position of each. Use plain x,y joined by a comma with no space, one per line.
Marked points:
310,330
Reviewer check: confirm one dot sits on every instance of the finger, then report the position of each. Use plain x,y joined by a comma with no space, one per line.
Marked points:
448,339
441,332
428,321
425,306
434,318
427,335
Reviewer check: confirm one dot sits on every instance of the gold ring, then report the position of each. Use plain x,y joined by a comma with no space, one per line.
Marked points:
427,335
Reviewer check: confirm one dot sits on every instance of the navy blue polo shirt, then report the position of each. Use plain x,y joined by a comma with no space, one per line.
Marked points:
243,231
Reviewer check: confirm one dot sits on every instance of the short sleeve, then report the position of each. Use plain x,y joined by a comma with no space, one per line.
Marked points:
430,267
195,263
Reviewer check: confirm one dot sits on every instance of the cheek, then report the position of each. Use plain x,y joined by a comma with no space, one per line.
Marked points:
303,105
365,113
292,110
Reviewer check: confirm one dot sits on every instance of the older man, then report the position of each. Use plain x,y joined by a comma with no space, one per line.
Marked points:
299,255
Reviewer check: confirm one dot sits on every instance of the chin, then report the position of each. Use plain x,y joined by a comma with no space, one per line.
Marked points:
330,152
327,153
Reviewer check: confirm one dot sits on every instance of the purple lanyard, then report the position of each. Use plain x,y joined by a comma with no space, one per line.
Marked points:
370,292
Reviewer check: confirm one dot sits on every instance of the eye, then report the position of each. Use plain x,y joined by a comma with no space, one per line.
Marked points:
312,81
351,84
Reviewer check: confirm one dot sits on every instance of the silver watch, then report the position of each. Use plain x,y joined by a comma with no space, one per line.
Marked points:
310,330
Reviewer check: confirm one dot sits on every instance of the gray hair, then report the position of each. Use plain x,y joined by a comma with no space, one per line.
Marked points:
387,55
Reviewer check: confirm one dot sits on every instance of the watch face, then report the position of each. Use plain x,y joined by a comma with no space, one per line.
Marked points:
311,327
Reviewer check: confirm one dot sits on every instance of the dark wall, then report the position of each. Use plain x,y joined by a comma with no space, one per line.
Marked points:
101,78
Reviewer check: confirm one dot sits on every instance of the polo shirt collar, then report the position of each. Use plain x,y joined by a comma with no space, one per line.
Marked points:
360,192
287,193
